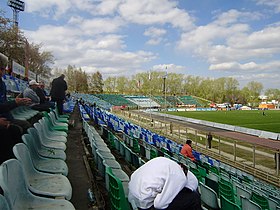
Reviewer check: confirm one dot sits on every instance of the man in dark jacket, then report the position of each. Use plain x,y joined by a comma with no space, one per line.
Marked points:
58,88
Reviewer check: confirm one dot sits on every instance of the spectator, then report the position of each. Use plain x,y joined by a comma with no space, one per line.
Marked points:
44,99
29,92
161,183
209,139
58,88
187,150
6,106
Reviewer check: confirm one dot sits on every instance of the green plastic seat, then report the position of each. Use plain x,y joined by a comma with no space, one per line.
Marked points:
260,200
59,125
226,204
117,196
18,195
51,129
153,153
40,183
226,191
136,147
55,127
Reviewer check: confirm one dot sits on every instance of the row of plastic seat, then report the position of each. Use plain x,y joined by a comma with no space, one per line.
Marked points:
36,179
116,180
130,137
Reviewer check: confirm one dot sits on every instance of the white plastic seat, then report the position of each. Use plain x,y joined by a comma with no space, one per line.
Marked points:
209,197
17,194
45,184
41,149
43,134
3,203
47,143
247,204
48,165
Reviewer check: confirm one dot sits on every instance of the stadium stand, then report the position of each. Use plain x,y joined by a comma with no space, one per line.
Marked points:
224,182
143,101
116,100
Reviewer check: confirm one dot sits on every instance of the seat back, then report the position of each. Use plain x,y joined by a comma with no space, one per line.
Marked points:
3,203
23,155
242,192
259,199
226,190
118,200
212,184
12,182
247,204
36,139
209,197
28,140
226,204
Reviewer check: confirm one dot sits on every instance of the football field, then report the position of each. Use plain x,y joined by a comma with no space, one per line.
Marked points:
269,120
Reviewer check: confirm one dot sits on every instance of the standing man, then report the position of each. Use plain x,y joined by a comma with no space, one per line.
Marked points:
209,139
162,183
58,88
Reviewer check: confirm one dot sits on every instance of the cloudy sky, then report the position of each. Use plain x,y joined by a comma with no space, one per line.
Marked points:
209,38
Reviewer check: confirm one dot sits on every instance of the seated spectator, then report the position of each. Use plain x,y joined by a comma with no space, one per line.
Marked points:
29,92
187,150
44,99
162,183
6,106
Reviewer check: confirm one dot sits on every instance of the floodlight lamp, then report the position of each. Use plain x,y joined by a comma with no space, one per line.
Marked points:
16,4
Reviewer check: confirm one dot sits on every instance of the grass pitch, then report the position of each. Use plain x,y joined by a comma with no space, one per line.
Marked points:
255,119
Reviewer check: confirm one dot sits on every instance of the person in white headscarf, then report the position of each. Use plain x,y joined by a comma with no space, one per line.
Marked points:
162,183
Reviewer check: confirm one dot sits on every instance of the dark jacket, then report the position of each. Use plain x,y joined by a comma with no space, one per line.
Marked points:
5,106
59,86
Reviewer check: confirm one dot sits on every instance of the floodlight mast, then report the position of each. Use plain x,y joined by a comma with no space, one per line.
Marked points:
17,6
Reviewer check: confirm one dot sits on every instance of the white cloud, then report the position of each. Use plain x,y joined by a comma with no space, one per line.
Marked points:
148,12
155,35
269,67
274,4
48,8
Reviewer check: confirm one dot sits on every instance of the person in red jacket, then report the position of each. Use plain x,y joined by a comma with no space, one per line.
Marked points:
187,150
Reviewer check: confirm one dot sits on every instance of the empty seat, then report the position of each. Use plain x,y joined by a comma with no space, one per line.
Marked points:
45,184
3,203
247,204
117,196
17,194
41,149
49,165
209,197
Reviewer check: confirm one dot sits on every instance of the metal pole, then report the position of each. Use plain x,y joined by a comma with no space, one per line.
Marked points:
254,156
277,162
234,151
